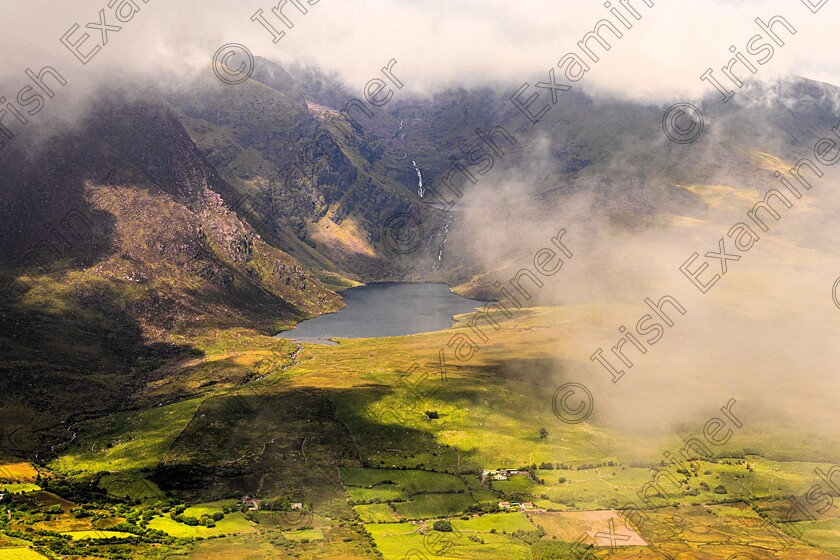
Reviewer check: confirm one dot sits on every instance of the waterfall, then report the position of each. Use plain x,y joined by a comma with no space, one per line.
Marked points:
420,191
443,243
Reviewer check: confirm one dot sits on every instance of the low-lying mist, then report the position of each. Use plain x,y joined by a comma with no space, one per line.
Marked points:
761,334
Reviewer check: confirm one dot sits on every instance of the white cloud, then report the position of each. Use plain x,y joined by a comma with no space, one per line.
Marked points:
438,43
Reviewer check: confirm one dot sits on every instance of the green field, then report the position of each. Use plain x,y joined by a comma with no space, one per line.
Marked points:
750,477
485,496
824,533
127,440
735,510
473,482
383,493
233,523
131,484
397,540
375,513
411,481
304,534
19,554
208,508
24,487
428,506
514,485
509,522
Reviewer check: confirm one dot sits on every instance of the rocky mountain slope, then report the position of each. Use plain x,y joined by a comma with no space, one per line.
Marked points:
117,250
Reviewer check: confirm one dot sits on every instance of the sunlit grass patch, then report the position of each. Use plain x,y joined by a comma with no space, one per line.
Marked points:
375,513
427,506
304,534
79,535
127,440
232,523
383,493
18,472
509,522
18,488
412,481
19,554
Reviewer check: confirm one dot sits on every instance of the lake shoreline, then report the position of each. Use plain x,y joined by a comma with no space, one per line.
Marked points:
384,309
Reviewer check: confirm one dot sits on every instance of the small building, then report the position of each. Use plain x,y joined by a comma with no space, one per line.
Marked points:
297,505
499,476
251,503
527,506
504,505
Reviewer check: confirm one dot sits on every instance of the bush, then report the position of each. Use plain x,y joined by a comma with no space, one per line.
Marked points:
720,490
442,526
556,550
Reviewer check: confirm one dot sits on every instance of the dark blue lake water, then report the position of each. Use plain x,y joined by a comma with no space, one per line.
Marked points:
386,309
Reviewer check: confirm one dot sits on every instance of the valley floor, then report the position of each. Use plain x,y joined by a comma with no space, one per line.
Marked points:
402,448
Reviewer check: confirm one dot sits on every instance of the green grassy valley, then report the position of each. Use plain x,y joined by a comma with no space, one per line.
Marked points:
327,474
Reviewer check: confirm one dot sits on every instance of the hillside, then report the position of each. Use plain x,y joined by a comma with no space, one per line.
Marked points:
119,250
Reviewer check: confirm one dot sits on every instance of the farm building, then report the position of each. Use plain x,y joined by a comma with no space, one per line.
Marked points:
251,503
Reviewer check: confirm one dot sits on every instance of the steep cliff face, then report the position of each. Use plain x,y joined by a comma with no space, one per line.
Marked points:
117,250
319,187
129,196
